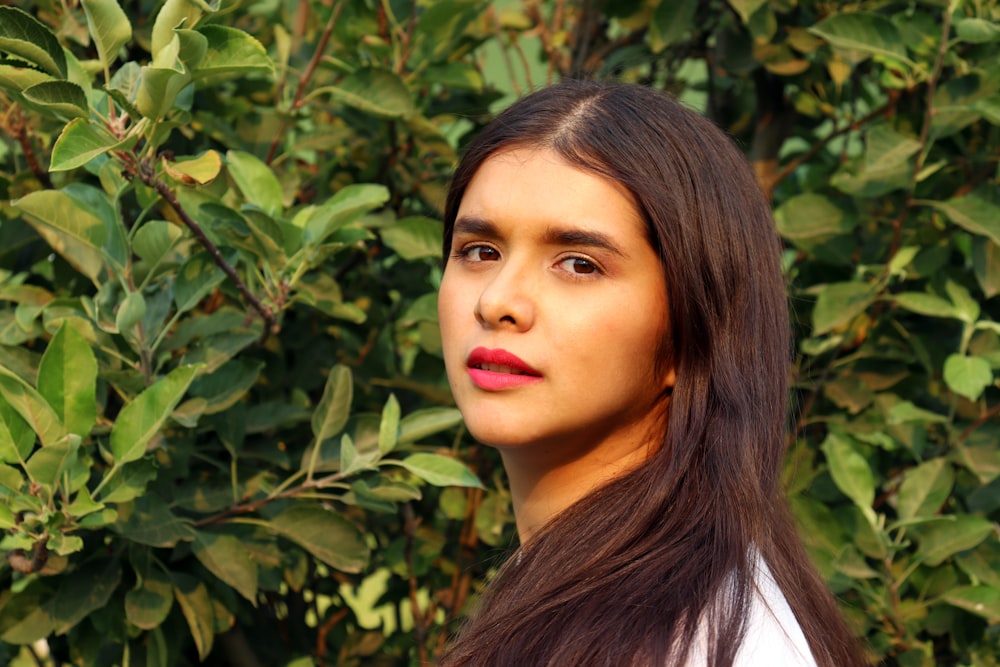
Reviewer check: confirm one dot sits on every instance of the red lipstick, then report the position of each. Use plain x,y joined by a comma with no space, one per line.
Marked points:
494,370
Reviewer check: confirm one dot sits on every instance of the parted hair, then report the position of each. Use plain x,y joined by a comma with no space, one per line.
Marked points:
632,572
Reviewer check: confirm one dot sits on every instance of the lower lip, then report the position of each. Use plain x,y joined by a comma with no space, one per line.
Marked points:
496,381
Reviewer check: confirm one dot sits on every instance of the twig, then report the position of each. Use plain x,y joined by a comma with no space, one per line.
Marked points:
508,63
411,29
323,631
237,510
305,77
17,126
419,619
523,58
932,82
813,150
982,419
148,176
270,322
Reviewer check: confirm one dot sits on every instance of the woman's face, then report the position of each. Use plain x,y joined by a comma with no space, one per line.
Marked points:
553,308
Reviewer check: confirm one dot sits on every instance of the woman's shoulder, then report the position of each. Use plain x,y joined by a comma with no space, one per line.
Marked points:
773,637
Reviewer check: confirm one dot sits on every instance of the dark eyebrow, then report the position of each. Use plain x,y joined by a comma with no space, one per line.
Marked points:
476,227
560,236
581,237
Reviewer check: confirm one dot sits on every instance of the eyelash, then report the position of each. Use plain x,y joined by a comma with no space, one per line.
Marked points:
463,255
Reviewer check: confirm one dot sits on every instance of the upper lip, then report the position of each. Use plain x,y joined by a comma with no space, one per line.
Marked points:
502,361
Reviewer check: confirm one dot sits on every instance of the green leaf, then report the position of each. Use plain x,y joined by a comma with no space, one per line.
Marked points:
811,216
924,489
130,312
196,605
839,303
966,307
24,36
982,601
142,419
226,557
67,378
148,604
79,143
334,407
862,31
152,523
155,239
83,505
85,591
201,169
32,407
746,8
231,52
440,470
7,520
885,148
16,437
982,564
196,280
906,412
130,483
225,386
925,304
671,22
62,97
346,206
972,213
16,76
68,227
46,465
326,535
942,539
976,30
109,26
850,471
967,376
415,237
388,430
158,88
256,181
421,423
172,14
986,264
375,91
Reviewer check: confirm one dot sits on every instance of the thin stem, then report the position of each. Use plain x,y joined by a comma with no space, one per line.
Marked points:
813,150
248,508
932,82
982,419
17,126
150,179
305,77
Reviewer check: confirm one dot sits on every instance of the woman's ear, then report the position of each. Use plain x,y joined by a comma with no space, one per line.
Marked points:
668,380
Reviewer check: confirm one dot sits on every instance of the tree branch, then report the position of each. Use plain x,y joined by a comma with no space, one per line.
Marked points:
974,426
813,150
148,176
17,127
305,78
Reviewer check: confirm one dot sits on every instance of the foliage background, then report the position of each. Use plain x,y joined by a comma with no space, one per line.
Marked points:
225,433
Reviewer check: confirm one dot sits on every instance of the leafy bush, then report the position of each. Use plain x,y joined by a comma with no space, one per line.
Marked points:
223,419
219,400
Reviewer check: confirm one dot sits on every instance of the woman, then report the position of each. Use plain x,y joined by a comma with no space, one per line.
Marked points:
614,321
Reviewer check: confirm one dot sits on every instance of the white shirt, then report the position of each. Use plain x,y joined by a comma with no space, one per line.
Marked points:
773,637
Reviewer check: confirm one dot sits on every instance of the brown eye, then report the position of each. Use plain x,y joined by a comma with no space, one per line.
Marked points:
482,253
580,266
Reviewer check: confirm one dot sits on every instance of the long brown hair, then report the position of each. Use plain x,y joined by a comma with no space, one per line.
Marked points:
629,574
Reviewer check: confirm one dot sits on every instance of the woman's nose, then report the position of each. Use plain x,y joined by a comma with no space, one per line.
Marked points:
507,301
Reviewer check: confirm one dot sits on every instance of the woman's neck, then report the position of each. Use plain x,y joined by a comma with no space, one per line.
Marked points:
543,483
